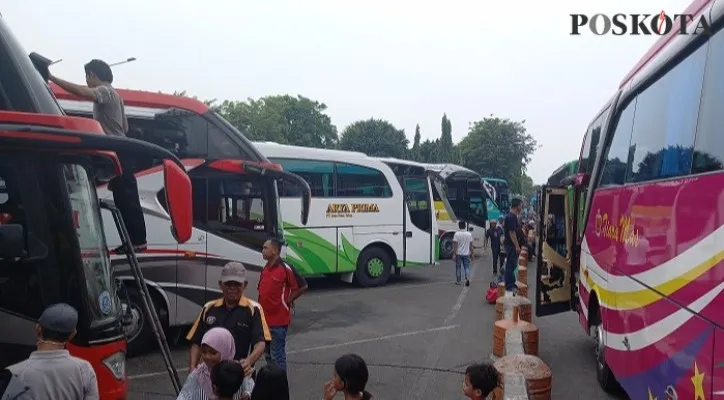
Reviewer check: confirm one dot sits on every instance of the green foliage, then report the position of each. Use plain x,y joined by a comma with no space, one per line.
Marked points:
375,137
494,146
284,119
499,148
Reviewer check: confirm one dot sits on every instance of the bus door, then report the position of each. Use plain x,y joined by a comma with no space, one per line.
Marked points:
417,221
555,283
477,211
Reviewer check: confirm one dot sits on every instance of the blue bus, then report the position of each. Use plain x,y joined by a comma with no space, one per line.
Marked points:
499,197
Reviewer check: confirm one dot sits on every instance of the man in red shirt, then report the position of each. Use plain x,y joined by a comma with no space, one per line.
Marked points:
279,286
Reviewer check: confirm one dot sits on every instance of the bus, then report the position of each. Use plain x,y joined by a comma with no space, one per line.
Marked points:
230,178
499,202
646,269
53,249
463,196
370,217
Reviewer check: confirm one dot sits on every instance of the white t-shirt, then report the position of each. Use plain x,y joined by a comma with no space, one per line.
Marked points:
463,239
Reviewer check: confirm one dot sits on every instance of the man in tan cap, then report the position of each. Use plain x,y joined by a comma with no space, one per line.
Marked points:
243,317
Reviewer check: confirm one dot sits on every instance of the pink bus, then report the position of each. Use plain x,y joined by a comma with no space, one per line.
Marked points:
644,269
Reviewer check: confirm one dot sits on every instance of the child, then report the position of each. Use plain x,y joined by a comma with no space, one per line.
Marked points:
480,381
226,379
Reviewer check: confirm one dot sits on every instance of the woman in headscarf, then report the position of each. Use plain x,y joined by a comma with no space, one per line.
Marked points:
217,345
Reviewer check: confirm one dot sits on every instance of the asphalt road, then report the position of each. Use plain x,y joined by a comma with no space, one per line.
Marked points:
417,334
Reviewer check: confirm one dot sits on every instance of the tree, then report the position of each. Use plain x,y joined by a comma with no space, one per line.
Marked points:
446,142
415,151
498,147
429,152
375,137
284,119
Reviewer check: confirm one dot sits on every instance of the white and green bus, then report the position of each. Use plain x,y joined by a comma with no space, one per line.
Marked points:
369,218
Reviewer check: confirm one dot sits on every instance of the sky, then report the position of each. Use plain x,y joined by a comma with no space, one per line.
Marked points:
403,61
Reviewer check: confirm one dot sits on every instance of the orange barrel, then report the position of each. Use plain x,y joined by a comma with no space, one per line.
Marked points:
525,308
528,331
537,375
523,259
501,289
523,275
522,288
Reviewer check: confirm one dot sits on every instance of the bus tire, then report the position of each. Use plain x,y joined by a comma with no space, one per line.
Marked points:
139,334
603,373
374,267
446,245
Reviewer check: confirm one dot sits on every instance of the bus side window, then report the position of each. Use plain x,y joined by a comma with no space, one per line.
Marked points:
709,147
318,174
614,172
357,181
665,122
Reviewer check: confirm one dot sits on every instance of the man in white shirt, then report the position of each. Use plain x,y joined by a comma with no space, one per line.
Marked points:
463,251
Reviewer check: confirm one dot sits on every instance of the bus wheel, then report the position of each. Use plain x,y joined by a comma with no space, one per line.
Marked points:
136,327
446,246
373,267
603,372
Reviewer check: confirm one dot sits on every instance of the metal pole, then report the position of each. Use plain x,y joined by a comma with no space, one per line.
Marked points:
122,62
151,314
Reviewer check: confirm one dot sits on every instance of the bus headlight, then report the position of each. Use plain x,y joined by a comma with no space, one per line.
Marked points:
116,363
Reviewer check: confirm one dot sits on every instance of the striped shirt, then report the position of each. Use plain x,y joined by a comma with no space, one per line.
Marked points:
192,390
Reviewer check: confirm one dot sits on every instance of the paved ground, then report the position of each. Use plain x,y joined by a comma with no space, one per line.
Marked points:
417,335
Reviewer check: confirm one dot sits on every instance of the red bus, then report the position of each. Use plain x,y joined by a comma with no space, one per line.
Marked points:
645,271
53,248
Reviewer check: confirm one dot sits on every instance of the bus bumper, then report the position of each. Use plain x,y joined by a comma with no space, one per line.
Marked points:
109,362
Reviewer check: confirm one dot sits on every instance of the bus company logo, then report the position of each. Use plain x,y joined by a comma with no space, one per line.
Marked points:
624,232
346,210
639,24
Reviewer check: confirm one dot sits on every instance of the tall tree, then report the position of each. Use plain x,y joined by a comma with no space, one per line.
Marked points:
375,137
429,152
285,119
446,142
415,151
498,147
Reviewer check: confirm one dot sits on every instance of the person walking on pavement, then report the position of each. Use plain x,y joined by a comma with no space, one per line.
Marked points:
279,286
493,234
51,372
512,245
463,251
109,111
241,316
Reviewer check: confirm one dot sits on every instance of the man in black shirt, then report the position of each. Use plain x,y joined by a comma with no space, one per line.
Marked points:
494,234
243,317
512,230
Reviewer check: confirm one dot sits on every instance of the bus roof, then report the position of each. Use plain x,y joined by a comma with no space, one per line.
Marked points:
278,150
446,170
139,98
694,8
500,180
400,161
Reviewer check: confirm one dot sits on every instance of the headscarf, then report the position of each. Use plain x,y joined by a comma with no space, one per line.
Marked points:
222,341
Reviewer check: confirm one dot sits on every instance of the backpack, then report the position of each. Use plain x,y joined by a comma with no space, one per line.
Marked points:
491,296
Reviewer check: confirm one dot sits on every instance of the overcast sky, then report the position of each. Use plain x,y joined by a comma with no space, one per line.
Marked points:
401,60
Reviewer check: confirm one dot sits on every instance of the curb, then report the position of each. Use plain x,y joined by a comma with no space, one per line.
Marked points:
523,376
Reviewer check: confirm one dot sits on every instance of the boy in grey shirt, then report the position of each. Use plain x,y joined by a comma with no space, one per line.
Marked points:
51,372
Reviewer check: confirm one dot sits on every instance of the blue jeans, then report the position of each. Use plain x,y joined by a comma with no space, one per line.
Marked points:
278,348
462,261
511,260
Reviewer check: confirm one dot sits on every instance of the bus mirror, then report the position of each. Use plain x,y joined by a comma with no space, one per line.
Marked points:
581,180
178,200
12,241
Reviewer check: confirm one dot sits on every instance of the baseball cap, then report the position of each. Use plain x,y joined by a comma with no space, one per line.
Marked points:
233,272
61,318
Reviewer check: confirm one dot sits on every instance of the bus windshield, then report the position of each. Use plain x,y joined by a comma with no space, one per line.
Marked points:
102,300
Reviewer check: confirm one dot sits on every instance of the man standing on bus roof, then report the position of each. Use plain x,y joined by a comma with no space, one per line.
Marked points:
279,286
463,251
512,245
243,317
109,111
